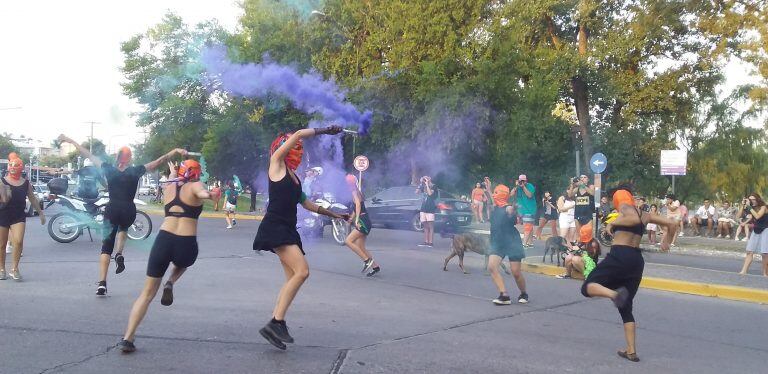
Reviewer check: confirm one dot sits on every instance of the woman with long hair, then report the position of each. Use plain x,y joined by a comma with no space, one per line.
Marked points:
549,214
362,224
175,243
566,208
14,191
758,242
277,231
618,276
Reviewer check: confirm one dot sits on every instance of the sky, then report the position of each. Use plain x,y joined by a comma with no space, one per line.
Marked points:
61,64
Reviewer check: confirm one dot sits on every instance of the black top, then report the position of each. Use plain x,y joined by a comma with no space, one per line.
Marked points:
549,210
188,211
584,204
284,196
18,195
88,185
429,205
122,185
638,229
760,223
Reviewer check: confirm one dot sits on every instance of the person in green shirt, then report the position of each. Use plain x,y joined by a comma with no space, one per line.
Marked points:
524,193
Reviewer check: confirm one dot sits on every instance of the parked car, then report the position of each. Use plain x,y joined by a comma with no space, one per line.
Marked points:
147,190
399,207
42,192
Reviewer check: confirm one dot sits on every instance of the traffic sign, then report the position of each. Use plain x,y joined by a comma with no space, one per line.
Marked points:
598,162
673,162
361,163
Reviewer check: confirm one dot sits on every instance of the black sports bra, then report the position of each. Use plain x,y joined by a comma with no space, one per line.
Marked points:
188,211
638,229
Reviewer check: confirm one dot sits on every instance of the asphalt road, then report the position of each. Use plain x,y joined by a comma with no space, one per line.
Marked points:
411,318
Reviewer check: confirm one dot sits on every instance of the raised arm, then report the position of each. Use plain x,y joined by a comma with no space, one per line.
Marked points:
83,151
200,192
155,164
312,207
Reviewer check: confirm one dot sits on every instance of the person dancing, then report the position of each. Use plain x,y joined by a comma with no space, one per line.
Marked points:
175,243
618,276
277,231
356,239
13,217
505,242
120,213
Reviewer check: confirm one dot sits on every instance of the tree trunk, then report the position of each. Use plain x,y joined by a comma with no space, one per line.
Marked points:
581,100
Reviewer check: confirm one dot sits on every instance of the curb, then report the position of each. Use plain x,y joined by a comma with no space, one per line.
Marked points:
241,216
721,291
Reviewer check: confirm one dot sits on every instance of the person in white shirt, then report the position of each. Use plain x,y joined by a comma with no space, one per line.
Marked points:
674,213
705,215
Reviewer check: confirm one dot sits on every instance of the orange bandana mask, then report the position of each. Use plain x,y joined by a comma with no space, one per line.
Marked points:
293,159
501,195
622,197
585,233
124,156
190,170
15,167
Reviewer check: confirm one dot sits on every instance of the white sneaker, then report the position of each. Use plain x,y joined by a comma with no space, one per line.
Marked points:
229,226
680,235
9,248
719,236
743,239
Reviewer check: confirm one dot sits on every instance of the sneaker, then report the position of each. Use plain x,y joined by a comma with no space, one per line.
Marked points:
502,300
272,338
229,226
234,222
425,244
430,245
101,290
9,248
367,265
523,298
373,271
743,239
719,236
15,275
3,275
167,298
126,346
280,330
120,262
563,276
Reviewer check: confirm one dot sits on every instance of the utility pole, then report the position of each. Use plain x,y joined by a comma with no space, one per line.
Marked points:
90,142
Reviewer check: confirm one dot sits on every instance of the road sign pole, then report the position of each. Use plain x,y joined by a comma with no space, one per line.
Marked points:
598,195
673,184
360,180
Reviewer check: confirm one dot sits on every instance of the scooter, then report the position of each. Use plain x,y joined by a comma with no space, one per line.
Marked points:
83,214
312,224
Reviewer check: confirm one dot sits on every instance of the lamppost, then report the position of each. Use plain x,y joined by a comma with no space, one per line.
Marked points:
90,142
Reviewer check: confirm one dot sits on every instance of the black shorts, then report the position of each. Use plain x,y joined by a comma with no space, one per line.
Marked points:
12,216
120,214
584,219
181,250
365,224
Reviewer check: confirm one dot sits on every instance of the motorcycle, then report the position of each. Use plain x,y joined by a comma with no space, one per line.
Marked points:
83,214
313,224
605,237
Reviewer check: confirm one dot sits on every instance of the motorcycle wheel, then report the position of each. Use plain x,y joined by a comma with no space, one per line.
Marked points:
605,239
141,227
66,234
340,231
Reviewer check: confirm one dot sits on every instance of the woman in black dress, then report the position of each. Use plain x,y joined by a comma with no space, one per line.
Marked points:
277,231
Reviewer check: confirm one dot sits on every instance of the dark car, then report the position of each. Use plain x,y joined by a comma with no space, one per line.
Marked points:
399,207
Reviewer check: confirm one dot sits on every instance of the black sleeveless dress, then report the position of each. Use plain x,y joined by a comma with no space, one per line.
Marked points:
15,210
278,227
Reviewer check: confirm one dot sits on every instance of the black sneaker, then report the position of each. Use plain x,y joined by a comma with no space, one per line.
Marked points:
126,346
271,338
523,298
279,330
101,290
502,300
373,271
167,298
234,222
367,265
120,262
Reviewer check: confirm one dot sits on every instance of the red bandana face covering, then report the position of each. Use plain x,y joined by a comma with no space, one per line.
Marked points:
124,157
293,159
15,166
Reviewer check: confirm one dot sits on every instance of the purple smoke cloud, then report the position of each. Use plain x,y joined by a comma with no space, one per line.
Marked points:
308,92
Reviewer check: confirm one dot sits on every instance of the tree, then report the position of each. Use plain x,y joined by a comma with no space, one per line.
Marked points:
6,146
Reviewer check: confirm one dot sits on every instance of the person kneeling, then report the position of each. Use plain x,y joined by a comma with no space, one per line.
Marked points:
583,256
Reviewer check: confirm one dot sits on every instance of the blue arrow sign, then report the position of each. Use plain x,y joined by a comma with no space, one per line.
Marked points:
598,162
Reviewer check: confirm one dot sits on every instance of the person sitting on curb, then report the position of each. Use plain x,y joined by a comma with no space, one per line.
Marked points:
583,256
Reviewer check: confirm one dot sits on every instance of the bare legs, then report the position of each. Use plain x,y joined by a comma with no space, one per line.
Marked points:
748,261
15,234
356,242
120,239
598,290
139,310
429,231
493,267
296,272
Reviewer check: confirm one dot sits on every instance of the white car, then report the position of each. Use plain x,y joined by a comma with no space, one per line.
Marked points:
147,190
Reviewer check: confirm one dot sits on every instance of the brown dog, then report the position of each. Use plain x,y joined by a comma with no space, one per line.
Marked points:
470,242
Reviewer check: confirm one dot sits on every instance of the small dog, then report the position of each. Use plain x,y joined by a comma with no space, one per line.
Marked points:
470,242
555,246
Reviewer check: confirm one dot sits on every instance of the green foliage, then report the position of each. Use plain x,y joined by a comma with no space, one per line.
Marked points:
6,146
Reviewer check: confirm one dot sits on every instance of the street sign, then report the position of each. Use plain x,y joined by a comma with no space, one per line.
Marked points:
598,162
361,163
674,162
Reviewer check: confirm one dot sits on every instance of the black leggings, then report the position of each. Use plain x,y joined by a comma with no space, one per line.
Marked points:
181,250
119,216
622,267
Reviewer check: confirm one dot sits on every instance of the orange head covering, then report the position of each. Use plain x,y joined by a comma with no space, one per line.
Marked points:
622,197
12,155
585,233
190,170
124,156
295,154
501,195
15,167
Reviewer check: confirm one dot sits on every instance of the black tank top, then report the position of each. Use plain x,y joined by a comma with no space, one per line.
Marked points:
284,195
762,223
18,195
638,229
188,211
584,204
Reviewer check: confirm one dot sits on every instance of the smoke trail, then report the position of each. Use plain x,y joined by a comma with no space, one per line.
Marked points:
204,167
308,92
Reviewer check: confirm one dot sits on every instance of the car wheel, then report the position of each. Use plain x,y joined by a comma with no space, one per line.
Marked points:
416,223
